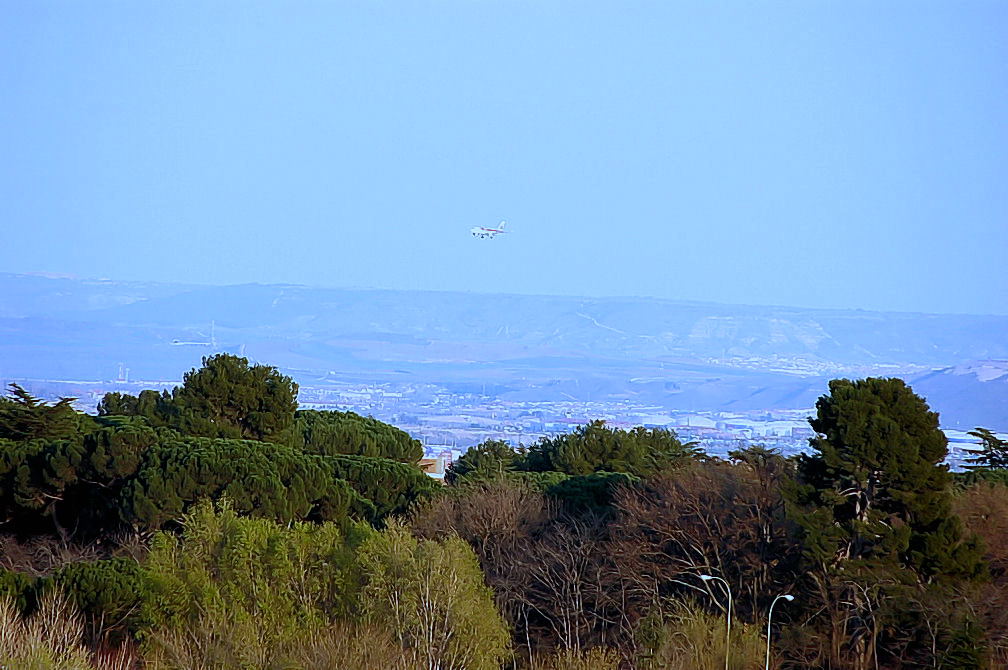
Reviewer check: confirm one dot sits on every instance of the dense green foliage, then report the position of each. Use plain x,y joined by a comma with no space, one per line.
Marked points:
18,588
593,492
993,452
598,448
878,532
224,398
231,430
238,592
540,482
974,476
582,469
72,482
159,409
487,460
265,582
259,478
877,484
260,536
389,485
24,417
333,433
228,398
113,593
591,448
431,597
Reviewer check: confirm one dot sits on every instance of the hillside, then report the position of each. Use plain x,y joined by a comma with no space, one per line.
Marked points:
681,354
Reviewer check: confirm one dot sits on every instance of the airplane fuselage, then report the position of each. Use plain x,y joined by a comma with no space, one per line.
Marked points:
484,233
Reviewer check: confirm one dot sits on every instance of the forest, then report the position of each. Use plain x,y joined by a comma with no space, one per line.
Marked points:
220,526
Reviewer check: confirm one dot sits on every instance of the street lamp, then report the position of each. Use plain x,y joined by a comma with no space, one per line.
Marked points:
786,596
708,578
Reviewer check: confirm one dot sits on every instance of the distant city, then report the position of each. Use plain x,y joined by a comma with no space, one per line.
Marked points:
454,369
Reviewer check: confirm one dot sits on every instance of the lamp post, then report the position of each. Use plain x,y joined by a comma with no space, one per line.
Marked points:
786,596
708,578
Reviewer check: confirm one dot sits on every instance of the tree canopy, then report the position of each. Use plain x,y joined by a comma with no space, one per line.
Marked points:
596,447
230,431
264,551
332,432
488,459
228,398
993,452
258,478
873,505
25,417
878,482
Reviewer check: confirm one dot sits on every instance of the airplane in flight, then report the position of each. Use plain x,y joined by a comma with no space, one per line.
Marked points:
481,232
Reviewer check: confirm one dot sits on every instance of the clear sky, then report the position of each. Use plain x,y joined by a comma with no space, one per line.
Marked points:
824,154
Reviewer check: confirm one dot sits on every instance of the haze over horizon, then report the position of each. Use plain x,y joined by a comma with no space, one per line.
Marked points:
488,291
81,338
819,156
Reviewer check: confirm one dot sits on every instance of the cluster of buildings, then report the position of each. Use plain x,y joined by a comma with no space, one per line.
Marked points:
450,422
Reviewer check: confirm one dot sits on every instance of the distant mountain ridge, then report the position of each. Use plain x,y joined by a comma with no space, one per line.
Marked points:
673,351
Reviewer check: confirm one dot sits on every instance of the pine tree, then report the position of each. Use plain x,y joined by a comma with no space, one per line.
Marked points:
330,433
229,398
487,460
25,417
874,506
258,478
596,447
993,453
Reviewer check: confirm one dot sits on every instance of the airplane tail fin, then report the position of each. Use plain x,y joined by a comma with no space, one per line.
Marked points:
502,224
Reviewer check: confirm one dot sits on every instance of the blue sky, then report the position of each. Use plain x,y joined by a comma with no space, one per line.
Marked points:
825,154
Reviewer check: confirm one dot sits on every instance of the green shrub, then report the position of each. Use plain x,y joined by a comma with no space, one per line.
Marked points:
689,638
18,587
242,592
112,595
540,482
487,460
431,597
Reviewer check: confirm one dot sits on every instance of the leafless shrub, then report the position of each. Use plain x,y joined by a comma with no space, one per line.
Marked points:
52,638
714,518
597,658
43,555
984,511
553,575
